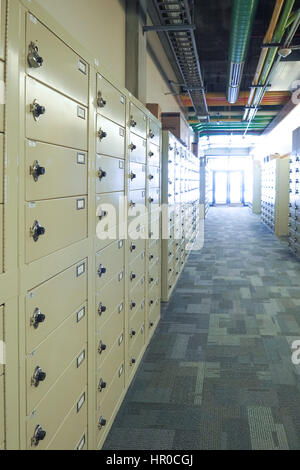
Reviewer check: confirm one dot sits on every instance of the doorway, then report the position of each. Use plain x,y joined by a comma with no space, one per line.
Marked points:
228,187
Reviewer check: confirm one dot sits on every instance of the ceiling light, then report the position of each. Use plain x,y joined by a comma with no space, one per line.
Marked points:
284,52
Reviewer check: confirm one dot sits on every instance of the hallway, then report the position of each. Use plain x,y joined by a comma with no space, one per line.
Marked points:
218,372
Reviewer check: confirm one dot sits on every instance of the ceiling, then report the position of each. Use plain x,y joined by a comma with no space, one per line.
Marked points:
212,36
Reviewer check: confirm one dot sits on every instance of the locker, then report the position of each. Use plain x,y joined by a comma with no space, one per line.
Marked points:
136,248
154,251
2,28
153,154
109,332
1,97
53,118
154,177
2,424
136,349
154,269
136,271
137,206
137,149
54,355
154,292
54,172
1,236
71,433
106,407
137,176
110,174
1,168
110,298
154,197
108,368
52,62
110,101
155,244
55,300
54,224
110,138
154,312
110,209
154,132
136,298
109,262
137,121
136,322
56,404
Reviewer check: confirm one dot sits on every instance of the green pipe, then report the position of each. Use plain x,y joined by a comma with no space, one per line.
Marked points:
243,14
292,19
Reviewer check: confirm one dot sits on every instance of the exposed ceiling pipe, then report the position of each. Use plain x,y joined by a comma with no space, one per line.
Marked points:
243,14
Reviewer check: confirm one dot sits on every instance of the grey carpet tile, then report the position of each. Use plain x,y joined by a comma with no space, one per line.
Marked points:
218,372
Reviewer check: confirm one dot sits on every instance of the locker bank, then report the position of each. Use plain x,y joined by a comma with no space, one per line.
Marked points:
149,225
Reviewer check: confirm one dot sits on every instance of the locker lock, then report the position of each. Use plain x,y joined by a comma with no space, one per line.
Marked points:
132,147
101,102
132,305
37,318
101,174
133,123
39,435
34,59
151,257
132,361
132,247
101,423
37,110
151,302
36,231
101,385
102,134
151,324
132,204
102,347
151,280
171,148
36,170
150,200
151,134
102,214
101,308
151,154
132,276
101,270
38,376
132,333
151,177
132,176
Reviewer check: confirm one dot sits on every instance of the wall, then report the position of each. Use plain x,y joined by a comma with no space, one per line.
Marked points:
99,25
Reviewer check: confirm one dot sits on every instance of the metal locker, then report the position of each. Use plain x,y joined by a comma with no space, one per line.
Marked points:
1,236
137,206
106,407
153,154
110,138
136,298
137,121
137,148
50,303
154,314
137,176
2,96
136,248
54,355
54,224
154,133
154,198
110,174
2,28
136,271
109,262
108,333
136,322
52,62
54,118
154,177
54,172
108,364
1,168
111,103
2,423
136,349
110,298
71,433
55,405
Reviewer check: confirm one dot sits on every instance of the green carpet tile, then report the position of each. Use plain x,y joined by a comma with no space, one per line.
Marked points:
218,372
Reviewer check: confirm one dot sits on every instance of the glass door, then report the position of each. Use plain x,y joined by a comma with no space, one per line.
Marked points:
228,187
236,187
220,187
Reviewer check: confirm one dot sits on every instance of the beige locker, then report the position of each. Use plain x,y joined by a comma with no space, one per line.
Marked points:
154,177
136,248
136,270
154,252
56,405
1,168
110,174
154,198
54,224
108,332
110,138
1,236
110,298
136,322
53,118
136,298
72,433
1,338
154,314
106,407
137,121
153,154
2,423
137,208
50,303
111,210
54,172
154,132
53,356
155,291
110,101
137,148
2,106
2,28
109,262
108,368
52,62
137,176
136,349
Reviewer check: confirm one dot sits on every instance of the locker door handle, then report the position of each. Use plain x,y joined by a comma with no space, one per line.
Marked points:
132,361
36,170
132,247
132,276
102,347
38,376
151,134
101,174
102,214
133,123
101,385
102,134
37,318
151,324
151,154
132,305
101,270
132,204
132,176
33,58
101,423
36,231
101,102
150,200
37,110
151,177
132,147
39,435
132,333
101,308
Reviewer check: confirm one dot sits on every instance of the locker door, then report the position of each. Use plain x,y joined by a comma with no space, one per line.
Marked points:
1,97
111,102
138,121
110,174
110,138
